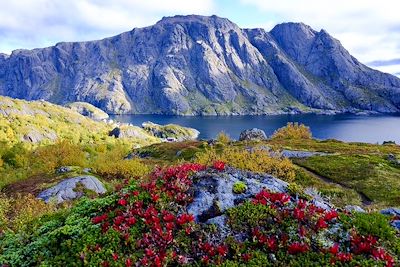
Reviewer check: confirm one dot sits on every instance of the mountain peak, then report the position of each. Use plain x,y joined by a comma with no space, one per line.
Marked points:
208,20
296,28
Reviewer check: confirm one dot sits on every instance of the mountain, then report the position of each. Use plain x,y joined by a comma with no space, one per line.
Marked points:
191,65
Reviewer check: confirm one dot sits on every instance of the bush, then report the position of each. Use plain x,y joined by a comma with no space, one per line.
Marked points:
223,138
255,161
62,153
293,130
375,224
239,187
18,211
110,164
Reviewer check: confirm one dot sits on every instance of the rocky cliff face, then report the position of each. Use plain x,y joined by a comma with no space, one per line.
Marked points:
193,65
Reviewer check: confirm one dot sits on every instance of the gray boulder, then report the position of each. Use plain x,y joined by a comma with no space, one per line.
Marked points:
394,212
354,208
252,134
391,211
393,159
300,154
64,169
67,189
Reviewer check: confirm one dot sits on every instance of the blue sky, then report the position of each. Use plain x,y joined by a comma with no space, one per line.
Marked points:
369,29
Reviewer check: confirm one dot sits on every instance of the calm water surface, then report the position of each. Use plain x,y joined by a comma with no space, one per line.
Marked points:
358,128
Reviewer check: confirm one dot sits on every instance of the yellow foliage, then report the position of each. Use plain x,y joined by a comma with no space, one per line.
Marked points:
293,130
111,164
62,153
255,161
17,212
223,138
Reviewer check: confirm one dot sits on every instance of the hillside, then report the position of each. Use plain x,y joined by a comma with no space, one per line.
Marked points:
192,65
36,122
288,200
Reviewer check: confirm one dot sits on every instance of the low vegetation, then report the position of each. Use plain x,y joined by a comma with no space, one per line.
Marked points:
142,218
141,224
293,130
255,161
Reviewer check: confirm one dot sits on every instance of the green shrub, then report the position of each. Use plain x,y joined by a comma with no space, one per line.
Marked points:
249,216
239,187
375,224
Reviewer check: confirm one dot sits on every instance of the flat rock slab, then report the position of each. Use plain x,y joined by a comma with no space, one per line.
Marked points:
65,190
395,212
213,193
391,212
286,153
300,154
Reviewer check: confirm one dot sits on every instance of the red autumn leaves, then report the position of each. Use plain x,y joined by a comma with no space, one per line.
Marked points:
154,209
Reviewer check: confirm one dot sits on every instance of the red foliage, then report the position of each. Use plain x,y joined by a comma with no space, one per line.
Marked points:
265,197
219,165
160,224
297,247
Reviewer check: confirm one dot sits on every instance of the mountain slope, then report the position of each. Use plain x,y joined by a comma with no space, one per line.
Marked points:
202,65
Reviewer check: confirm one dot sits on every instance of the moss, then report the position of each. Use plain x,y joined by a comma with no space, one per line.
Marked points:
239,187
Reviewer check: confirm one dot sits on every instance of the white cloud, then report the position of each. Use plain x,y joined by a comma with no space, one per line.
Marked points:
37,23
369,29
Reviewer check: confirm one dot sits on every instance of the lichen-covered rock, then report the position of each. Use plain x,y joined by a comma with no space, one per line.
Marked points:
88,110
252,134
213,191
67,189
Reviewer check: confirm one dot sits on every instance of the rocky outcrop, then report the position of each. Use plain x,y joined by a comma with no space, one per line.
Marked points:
252,134
195,65
395,214
214,192
127,131
68,189
88,110
171,132
35,136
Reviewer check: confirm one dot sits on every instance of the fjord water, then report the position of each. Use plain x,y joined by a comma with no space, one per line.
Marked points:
345,127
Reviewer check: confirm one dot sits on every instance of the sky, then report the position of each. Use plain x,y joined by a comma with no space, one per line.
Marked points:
369,29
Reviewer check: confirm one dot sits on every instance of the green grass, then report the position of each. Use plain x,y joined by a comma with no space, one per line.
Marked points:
371,175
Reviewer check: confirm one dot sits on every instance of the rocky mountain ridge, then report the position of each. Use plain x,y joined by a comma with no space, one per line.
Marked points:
199,65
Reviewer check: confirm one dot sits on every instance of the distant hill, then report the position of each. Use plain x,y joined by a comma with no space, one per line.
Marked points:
40,122
191,65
